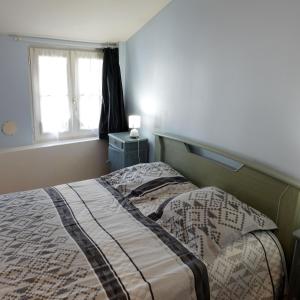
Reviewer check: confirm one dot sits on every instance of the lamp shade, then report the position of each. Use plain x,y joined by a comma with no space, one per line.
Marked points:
134,121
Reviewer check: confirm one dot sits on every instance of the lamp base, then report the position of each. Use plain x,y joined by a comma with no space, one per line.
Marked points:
134,133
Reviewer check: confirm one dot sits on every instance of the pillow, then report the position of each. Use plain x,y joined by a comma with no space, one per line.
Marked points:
128,179
209,219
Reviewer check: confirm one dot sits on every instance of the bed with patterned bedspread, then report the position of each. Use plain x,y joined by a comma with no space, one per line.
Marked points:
95,240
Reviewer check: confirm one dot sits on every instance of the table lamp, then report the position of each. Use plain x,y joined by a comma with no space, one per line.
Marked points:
134,124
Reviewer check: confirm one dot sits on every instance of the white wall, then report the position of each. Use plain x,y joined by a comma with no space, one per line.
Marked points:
226,73
27,168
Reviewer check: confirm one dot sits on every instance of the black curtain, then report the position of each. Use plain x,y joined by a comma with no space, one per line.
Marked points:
112,117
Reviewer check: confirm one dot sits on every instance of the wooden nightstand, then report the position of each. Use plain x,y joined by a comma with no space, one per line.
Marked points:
124,151
294,282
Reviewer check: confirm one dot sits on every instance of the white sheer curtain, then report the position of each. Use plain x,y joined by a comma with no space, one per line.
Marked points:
88,87
51,89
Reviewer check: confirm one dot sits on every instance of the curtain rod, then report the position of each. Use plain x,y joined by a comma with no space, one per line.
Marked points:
61,42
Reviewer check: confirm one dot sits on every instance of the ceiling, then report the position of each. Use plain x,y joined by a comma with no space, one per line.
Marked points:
80,20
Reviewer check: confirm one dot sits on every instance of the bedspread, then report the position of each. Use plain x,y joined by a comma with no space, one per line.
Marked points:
93,240
251,268
85,241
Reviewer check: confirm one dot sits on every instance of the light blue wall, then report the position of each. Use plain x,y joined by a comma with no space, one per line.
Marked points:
226,73
15,91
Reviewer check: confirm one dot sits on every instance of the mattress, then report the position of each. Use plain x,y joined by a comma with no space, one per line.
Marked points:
94,240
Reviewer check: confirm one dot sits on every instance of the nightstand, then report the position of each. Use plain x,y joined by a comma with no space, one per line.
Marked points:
294,283
124,151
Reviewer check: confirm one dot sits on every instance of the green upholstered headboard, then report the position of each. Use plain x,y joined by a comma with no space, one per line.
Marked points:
275,195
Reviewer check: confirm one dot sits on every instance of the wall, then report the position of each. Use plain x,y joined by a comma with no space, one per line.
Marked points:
15,92
32,167
226,73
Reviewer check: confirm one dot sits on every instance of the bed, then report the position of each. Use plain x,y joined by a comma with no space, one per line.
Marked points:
99,239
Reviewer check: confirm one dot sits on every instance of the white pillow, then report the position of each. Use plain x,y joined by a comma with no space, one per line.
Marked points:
209,219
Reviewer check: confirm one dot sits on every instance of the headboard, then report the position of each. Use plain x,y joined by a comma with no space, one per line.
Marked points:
275,195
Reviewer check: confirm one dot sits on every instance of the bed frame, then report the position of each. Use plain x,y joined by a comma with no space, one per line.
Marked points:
275,195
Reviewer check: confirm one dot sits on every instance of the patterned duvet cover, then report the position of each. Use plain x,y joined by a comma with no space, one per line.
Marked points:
93,240
252,267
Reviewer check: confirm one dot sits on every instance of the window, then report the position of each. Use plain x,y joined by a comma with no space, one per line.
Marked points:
67,93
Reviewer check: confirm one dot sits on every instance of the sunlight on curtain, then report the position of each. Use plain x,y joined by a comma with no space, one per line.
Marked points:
89,90
54,94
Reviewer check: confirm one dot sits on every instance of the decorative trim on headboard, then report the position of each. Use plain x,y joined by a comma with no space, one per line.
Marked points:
229,163
250,164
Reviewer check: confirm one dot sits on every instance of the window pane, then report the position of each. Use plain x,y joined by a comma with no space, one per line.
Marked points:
90,91
54,113
54,99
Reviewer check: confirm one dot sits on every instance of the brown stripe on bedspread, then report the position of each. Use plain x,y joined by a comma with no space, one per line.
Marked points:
154,185
196,266
102,268
115,240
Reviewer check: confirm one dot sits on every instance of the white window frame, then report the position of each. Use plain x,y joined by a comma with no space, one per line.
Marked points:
74,123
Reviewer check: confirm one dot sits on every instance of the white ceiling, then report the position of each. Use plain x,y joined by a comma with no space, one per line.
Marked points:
80,20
